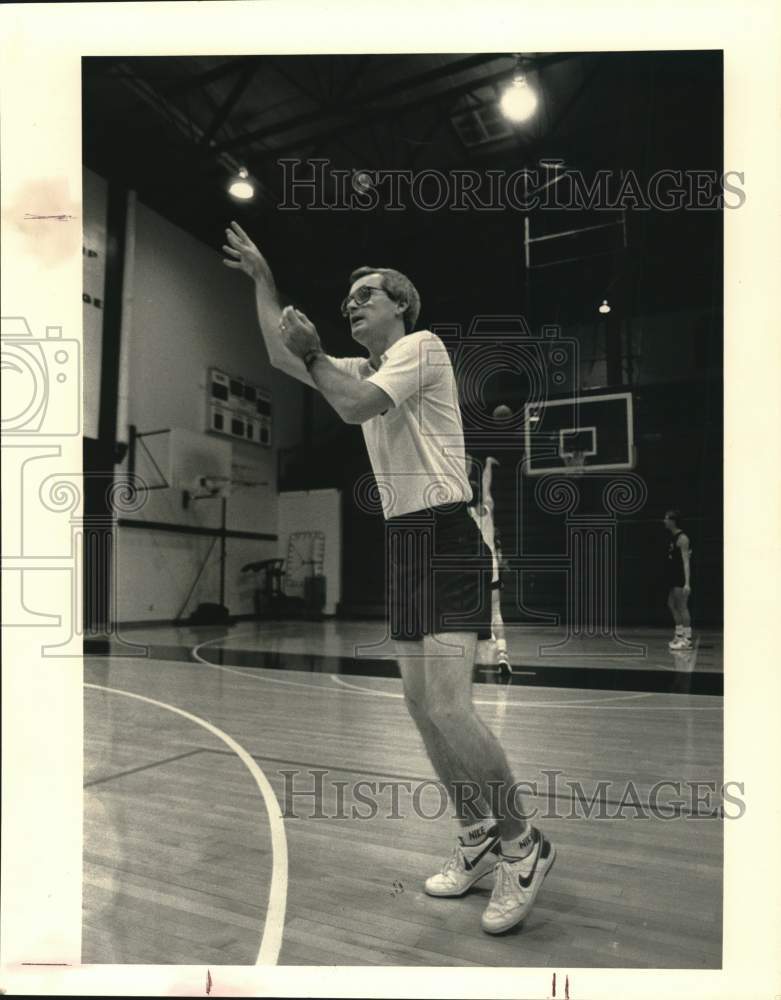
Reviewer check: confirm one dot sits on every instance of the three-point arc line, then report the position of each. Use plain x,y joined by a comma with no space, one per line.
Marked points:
599,703
271,938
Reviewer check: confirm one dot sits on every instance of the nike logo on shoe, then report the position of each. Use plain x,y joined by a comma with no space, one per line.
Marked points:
525,881
470,863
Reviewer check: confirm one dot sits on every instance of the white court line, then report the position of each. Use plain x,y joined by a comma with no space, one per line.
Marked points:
368,692
355,687
254,676
504,704
271,938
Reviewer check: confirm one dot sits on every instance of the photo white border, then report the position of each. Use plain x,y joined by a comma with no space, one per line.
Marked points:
40,146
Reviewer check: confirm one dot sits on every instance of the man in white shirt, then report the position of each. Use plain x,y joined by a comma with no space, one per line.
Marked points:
405,398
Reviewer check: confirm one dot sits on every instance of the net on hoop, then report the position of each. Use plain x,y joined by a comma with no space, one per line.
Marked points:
211,486
574,462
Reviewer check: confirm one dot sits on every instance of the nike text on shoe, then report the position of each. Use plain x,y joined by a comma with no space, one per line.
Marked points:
465,867
516,886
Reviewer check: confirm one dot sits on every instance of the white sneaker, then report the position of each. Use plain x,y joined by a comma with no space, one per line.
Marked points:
680,642
465,867
516,886
503,660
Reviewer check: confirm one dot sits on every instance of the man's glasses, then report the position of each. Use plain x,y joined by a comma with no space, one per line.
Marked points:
360,297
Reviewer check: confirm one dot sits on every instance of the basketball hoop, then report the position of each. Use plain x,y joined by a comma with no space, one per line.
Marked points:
206,488
215,485
574,462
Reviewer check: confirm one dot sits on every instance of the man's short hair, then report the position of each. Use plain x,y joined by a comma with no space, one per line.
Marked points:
399,288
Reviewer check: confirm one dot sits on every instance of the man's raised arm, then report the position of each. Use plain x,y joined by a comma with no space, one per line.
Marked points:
242,254
488,499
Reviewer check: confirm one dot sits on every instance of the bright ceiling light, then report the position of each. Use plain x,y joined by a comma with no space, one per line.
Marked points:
519,101
604,308
240,187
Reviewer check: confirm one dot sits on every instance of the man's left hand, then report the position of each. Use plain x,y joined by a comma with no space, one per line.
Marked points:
298,333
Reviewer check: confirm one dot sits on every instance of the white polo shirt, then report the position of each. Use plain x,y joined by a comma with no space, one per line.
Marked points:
416,448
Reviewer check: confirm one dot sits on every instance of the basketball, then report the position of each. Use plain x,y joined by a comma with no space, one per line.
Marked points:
502,412
362,182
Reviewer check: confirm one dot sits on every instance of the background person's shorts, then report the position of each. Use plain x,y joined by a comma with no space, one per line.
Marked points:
439,574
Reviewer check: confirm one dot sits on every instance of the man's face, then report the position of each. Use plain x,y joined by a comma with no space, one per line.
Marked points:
374,315
669,523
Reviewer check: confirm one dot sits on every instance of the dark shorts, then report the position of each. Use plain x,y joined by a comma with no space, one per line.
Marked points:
439,574
674,579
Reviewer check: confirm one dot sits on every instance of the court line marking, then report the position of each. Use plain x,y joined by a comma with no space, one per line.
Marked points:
273,926
254,676
504,704
341,769
356,687
367,692
280,629
137,770
601,702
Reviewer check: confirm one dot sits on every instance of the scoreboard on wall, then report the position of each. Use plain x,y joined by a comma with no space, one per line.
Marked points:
238,408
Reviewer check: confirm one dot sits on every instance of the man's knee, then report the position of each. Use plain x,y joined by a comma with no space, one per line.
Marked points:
449,716
450,647
415,700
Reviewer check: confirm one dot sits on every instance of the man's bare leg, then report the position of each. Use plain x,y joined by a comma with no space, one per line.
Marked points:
461,784
673,603
683,607
683,629
469,742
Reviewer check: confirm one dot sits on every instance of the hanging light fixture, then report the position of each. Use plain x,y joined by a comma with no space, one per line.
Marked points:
519,100
241,187
604,308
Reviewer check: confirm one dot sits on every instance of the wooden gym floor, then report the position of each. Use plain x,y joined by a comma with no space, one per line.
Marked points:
219,798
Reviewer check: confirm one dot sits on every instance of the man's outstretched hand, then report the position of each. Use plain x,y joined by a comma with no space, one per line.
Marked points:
242,254
298,333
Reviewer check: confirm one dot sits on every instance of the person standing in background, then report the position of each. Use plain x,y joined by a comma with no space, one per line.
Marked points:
678,578
481,510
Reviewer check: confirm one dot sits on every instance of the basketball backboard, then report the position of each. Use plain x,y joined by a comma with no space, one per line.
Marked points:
195,457
598,429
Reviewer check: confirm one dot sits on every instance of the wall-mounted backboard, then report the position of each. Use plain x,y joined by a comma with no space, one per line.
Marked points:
599,429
